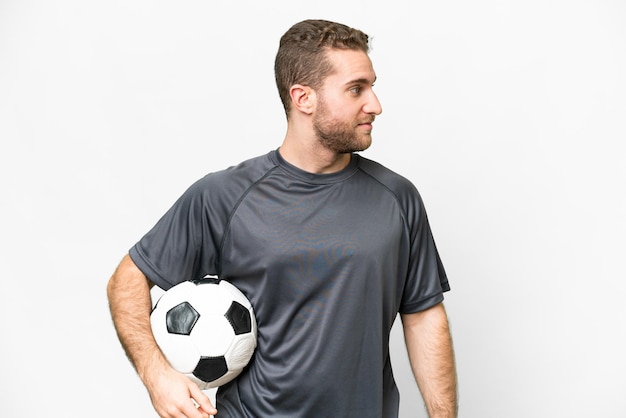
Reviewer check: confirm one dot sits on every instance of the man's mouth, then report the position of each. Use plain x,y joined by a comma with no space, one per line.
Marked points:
367,123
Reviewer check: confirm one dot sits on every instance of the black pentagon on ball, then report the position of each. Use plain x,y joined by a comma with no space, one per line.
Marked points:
181,319
211,368
239,317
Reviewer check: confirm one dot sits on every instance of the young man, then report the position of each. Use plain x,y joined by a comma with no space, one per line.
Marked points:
327,245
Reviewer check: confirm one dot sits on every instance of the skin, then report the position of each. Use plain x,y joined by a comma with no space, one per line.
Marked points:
428,342
324,127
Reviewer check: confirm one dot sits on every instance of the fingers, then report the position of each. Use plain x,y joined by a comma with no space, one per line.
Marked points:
173,395
189,409
203,403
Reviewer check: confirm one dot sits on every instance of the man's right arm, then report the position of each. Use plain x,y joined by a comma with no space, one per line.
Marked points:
171,393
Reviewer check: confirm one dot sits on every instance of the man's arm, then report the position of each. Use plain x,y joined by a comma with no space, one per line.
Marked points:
429,345
172,394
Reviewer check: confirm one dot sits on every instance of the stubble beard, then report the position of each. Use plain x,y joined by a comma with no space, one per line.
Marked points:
339,137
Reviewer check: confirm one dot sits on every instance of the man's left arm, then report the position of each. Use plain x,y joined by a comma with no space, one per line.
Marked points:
429,345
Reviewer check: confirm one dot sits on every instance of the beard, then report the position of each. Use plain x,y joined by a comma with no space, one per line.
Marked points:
339,136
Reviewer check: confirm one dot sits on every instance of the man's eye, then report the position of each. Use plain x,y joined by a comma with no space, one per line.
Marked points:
356,90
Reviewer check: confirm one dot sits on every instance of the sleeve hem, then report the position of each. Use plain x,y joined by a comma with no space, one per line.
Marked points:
423,304
147,268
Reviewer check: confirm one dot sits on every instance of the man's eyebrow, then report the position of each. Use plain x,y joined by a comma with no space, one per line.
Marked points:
362,81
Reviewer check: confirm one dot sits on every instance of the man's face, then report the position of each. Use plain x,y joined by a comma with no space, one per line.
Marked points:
346,103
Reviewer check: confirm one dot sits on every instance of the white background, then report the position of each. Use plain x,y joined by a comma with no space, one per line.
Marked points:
509,116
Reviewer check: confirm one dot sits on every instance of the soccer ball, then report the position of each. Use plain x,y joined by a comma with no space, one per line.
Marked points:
206,329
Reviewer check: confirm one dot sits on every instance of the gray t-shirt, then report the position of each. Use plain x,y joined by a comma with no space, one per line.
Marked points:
327,262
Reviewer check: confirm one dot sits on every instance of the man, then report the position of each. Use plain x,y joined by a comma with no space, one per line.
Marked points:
327,245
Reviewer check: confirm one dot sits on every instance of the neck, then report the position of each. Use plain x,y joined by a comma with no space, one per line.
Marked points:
307,153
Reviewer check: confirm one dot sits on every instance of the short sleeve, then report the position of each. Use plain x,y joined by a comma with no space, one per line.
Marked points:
181,245
426,278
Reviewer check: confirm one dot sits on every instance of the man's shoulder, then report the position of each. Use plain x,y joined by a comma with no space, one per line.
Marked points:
244,173
401,188
252,167
228,184
390,179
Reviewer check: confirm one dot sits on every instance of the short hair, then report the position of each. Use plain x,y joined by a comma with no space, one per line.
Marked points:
301,57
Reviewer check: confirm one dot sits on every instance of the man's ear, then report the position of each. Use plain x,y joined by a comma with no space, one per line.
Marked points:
302,98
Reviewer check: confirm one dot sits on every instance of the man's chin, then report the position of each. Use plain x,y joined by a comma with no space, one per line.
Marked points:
355,144
366,144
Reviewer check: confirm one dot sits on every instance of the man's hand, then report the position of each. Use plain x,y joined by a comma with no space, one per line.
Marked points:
175,396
